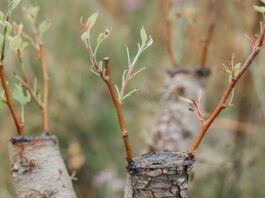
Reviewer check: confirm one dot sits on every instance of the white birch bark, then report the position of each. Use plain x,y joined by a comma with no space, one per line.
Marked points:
37,168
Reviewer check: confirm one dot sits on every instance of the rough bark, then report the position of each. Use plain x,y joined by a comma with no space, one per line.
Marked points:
157,175
37,168
177,127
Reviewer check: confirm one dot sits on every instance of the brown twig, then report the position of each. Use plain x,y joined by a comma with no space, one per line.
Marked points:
17,120
223,102
41,53
166,6
106,77
206,41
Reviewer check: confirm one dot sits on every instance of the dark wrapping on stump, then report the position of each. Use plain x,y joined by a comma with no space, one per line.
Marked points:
159,174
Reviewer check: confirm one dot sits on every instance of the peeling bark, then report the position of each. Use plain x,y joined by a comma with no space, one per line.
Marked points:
157,175
38,169
177,127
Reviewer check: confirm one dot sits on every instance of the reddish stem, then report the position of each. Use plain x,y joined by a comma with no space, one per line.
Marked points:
42,55
107,79
166,5
18,122
222,103
208,38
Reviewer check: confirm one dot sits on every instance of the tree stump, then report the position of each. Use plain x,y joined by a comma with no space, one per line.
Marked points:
173,128
159,174
38,169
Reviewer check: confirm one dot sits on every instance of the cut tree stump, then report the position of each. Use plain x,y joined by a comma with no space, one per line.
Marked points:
37,168
176,127
158,174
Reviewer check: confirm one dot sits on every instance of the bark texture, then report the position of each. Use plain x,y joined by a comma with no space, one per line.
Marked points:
38,169
159,174
176,126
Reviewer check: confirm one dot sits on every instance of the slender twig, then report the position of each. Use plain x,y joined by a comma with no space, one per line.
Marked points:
206,41
41,53
125,83
19,124
223,102
166,6
106,77
26,82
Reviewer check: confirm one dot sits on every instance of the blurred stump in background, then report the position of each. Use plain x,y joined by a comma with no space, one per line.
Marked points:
177,127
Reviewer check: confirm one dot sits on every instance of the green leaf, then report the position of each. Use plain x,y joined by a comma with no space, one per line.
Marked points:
32,14
91,21
1,15
101,37
85,36
19,95
260,9
25,45
140,70
228,69
263,1
186,100
237,66
150,42
129,94
15,43
44,26
143,36
13,5
118,91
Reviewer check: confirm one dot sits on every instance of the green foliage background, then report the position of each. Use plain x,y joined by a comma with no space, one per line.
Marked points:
81,113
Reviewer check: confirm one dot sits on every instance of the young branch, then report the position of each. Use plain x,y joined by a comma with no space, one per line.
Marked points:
166,6
104,72
41,53
206,41
223,102
106,77
19,124
26,82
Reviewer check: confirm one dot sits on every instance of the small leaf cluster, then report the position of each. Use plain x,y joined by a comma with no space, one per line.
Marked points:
16,41
232,69
195,106
86,27
31,16
20,96
97,67
127,74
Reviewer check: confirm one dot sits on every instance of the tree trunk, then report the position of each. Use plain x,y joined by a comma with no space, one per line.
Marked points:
177,127
157,175
38,169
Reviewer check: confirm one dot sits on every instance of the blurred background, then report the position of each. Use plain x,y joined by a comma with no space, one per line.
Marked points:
82,115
